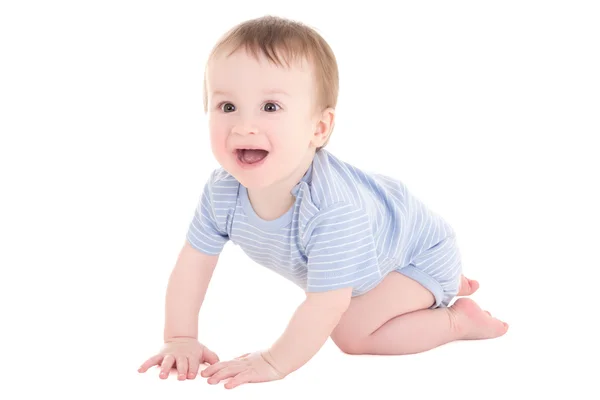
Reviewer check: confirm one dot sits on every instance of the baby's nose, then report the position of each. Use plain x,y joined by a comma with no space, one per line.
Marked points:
245,129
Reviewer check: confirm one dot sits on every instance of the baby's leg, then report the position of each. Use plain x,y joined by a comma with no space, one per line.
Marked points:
394,318
426,329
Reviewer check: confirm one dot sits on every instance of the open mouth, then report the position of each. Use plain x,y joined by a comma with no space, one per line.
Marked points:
251,156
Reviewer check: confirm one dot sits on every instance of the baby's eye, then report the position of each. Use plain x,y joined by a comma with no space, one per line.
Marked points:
271,107
227,107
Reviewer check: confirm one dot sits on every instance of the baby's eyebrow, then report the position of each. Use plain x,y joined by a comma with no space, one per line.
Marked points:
219,93
268,92
276,91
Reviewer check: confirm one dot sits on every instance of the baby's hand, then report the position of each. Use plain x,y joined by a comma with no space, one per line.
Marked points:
186,353
249,368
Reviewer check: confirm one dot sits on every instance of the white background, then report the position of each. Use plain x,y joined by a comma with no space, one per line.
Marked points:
488,111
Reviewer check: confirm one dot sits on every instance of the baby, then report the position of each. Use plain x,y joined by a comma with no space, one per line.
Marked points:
379,269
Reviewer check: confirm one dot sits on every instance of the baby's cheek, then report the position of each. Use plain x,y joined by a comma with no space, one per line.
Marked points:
288,159
219,147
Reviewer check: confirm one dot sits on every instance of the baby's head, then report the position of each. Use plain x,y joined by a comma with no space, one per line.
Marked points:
270,84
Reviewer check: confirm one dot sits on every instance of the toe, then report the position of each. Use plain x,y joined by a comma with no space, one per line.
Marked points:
501,327
467,286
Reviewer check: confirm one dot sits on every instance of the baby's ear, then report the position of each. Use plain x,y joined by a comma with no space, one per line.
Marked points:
324,127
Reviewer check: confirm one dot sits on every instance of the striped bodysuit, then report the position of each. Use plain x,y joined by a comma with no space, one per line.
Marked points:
346,228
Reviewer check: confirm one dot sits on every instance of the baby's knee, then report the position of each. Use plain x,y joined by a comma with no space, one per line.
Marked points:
348,342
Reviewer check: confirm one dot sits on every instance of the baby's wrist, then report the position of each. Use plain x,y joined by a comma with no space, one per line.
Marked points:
179,338
268,357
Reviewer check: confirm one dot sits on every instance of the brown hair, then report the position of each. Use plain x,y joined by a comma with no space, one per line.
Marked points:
283,41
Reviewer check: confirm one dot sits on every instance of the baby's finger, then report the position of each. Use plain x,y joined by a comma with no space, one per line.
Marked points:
166,366
239,379
210,357
194,365
213,369
182,367
225,373
152,361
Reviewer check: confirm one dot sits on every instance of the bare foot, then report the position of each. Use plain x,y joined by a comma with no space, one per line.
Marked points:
467,286
475,323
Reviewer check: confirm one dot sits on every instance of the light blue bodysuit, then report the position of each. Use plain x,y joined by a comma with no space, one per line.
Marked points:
347,228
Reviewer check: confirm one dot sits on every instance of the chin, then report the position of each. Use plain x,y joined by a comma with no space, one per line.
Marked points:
253,182
248,177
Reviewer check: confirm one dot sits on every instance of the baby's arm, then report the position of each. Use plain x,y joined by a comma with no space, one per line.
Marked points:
308,330
185,292
340,249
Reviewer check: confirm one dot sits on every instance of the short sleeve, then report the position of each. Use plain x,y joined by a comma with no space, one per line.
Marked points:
340,248
204,232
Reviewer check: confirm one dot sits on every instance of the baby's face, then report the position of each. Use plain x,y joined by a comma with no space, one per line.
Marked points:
258,105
